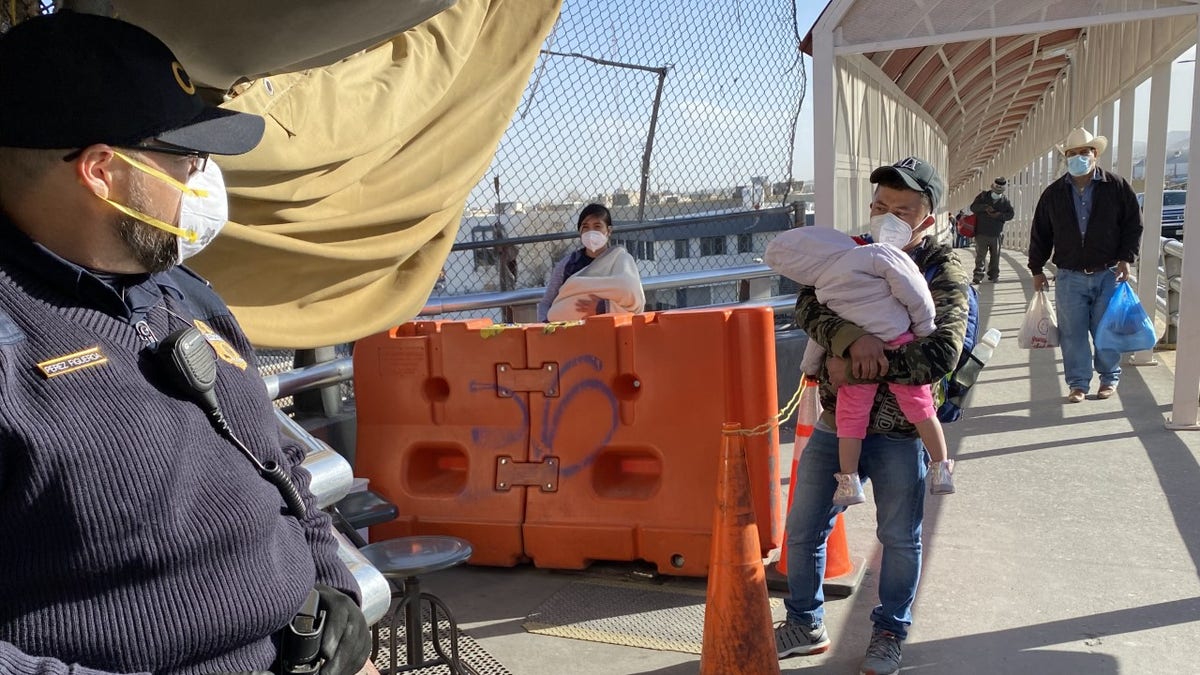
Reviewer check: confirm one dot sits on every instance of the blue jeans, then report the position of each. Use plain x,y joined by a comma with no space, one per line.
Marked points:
896,465
1080,300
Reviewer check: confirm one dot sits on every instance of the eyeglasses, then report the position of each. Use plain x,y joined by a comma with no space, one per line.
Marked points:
199,159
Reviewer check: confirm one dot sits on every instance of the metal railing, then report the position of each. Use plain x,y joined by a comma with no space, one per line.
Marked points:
754,283
1170,283
751,291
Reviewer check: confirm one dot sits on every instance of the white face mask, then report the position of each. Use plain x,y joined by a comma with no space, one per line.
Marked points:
593,240
996,195
203,215
887,228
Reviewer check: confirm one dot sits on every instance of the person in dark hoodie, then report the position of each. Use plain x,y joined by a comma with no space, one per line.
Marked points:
992,210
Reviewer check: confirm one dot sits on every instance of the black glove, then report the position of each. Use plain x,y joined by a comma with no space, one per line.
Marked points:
243,672
346,640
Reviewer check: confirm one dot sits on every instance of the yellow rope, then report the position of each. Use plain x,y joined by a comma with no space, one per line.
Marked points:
783,416
547,329
552,326
496,329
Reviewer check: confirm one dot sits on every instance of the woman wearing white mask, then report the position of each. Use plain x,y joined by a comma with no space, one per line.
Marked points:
595,279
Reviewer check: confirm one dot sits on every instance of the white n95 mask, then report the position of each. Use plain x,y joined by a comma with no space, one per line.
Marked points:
203,211
593,240
887,228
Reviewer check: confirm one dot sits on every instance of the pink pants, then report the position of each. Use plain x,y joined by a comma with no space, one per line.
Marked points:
854,401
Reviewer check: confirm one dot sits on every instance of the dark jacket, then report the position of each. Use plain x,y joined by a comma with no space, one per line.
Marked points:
991,215
921,361
1114,230
135,537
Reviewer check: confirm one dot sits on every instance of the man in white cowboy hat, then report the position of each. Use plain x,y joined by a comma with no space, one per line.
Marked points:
992,210
1090,220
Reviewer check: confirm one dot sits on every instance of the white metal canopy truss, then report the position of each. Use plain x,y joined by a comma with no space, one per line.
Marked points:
986,88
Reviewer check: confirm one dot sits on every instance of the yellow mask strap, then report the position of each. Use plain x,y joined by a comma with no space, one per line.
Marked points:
146,168
189,235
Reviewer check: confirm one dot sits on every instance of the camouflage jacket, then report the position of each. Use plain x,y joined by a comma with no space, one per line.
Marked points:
921,361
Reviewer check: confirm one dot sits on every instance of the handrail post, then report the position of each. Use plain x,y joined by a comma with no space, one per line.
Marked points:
325,401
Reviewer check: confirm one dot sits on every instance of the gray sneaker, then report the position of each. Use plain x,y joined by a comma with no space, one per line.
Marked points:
793,639
883,655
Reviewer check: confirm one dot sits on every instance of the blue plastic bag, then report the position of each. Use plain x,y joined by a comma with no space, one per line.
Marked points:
1124,327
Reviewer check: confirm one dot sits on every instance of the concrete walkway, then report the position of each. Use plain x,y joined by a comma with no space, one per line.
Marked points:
1071,546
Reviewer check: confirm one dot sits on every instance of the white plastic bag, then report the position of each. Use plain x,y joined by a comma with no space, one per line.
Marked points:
1040,329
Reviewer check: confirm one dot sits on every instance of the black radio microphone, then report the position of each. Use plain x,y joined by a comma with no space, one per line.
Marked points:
188,361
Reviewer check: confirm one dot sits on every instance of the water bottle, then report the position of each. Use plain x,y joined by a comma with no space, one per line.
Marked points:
984,347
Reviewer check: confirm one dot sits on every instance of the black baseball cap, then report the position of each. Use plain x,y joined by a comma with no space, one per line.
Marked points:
70,80
917,174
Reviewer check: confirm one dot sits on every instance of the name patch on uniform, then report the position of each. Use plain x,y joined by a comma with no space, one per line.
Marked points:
72,362
224,350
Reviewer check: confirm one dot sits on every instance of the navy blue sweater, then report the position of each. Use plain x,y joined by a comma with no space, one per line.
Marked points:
133,537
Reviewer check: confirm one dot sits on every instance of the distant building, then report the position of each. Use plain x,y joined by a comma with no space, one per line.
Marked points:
624,198
782,188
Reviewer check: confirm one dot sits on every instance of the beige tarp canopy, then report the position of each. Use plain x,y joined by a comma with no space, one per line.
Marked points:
346,212
223,41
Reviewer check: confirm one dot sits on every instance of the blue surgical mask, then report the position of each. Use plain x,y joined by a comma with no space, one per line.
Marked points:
1079,165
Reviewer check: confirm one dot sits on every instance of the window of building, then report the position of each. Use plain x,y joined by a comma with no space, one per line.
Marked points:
712,246
745,243
683,248
484,257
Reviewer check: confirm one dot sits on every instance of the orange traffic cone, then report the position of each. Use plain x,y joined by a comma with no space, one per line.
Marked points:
808,410
837,551
738,637
843,574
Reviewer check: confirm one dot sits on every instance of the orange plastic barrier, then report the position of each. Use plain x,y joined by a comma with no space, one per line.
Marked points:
638,431
598,441
433,426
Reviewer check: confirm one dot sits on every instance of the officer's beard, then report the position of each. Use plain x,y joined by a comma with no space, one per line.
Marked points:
152,248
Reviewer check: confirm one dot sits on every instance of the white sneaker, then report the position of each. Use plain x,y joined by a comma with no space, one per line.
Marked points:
941,477
849,490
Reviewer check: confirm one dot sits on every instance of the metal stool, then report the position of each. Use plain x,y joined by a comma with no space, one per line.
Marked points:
401,560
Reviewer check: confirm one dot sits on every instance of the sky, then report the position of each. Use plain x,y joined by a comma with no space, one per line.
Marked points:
581,127
1179,113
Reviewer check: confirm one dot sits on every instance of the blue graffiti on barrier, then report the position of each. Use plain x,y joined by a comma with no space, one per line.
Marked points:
552,416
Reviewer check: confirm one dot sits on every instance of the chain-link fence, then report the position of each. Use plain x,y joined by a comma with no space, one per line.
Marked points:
673,111
657,110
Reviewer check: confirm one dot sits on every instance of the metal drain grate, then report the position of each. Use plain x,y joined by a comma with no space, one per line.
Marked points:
631,614
469,651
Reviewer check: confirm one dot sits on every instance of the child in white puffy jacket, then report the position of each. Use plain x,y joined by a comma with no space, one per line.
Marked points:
879,288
